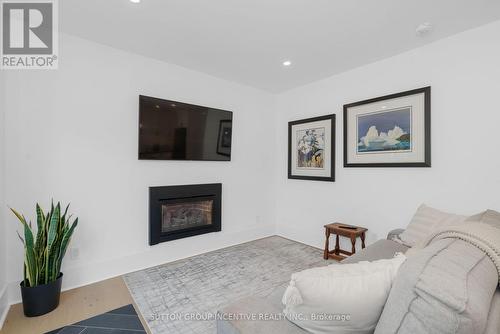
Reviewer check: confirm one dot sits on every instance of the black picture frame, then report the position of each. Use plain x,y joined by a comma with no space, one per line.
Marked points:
427,129
224,139
332,134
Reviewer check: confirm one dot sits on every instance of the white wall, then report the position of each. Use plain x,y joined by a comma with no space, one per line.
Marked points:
464,72
72,136
3,237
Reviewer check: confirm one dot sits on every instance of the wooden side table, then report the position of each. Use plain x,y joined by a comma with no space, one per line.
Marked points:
344,230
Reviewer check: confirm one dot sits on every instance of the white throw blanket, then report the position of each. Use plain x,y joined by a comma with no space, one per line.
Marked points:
484,236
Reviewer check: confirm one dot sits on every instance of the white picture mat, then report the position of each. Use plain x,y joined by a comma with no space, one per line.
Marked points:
327,167
417,102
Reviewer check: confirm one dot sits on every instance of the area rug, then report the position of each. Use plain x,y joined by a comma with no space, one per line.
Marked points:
182,297
123,320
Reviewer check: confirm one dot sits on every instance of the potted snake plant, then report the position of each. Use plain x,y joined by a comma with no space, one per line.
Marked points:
43,255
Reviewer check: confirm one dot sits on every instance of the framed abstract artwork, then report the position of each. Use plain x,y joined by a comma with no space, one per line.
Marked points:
389,131
311,149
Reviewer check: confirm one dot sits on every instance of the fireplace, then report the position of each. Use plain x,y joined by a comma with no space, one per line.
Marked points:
183,211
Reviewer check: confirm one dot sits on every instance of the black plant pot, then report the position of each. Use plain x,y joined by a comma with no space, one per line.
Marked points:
41,299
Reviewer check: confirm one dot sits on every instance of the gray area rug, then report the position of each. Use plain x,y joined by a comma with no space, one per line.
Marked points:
170,295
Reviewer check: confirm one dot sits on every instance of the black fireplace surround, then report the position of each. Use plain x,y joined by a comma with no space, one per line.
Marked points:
183,211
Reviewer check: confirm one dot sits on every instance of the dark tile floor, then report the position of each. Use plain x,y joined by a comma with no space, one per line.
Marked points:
123,320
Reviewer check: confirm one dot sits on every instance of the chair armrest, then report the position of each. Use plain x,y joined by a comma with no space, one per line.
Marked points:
395,233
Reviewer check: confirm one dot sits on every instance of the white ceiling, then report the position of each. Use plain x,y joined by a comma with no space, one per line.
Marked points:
247,40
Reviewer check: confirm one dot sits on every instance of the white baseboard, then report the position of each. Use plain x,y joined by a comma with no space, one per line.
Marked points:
4,305
95,272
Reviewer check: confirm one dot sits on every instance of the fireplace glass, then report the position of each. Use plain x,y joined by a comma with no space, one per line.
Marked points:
184,214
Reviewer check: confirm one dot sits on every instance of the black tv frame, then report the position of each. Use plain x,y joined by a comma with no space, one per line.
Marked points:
179,102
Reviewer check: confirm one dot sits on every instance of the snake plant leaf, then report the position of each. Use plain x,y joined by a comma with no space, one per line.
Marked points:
65,242
51,237
52,265
50,214
54,222
67,237
40,217
40,237
20,238
62,222
63,218
46,265
46,225
18,215
29,248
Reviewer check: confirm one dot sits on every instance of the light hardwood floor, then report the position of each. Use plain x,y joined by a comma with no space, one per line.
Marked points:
76,305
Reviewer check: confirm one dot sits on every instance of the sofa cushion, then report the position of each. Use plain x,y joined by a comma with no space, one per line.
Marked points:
446,287
490,217
425,221
327,299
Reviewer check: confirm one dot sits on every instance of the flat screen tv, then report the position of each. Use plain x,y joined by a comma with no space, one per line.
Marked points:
171,130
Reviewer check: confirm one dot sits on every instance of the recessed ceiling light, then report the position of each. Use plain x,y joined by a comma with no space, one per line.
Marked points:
287,63
423,29
135,1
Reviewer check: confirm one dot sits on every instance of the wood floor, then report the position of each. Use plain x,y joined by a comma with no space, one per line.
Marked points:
76,305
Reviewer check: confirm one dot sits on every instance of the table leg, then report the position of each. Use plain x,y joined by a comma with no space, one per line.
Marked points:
337,245
353,242
327,235
363,240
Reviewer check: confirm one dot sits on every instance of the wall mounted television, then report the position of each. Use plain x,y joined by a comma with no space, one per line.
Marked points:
172,130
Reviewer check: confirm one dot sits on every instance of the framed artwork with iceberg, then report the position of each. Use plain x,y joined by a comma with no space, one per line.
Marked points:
389,131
